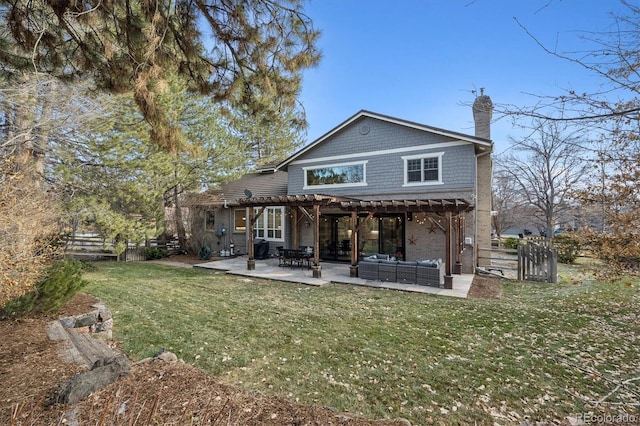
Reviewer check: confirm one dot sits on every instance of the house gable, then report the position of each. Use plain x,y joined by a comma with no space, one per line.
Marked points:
380,146
349,123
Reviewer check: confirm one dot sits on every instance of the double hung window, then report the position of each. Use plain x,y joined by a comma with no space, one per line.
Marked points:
425,169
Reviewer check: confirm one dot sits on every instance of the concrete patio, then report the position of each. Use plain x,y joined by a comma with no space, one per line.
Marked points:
332,273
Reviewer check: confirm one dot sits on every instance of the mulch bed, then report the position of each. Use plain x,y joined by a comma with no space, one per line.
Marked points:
485,287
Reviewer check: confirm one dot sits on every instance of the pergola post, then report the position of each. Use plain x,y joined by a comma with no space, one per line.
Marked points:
317,269
353,269
457,267
251,261
448,279
294,226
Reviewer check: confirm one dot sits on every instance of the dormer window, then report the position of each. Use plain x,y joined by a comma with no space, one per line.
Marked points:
423,169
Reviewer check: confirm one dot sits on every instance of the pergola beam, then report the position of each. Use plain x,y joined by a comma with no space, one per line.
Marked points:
448,207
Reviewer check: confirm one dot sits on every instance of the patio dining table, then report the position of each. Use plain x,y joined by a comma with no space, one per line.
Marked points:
293,257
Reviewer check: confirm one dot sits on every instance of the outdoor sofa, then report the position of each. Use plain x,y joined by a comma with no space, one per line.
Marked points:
381,267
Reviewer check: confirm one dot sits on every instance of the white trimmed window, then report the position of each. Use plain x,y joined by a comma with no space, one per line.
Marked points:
423,169
270,225
336,175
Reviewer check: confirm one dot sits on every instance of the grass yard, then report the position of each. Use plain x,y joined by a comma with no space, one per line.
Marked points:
541,352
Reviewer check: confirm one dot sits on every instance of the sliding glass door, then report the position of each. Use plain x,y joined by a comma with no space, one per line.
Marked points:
335,238
383,234
392,236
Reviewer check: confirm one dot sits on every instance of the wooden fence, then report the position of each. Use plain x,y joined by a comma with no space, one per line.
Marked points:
95,247
499,261
90,247
537,262
531,261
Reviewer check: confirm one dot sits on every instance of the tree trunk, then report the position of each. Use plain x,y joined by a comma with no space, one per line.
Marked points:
180,229
30,126
23,123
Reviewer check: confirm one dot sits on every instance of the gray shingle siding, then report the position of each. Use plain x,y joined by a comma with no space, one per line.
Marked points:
385,171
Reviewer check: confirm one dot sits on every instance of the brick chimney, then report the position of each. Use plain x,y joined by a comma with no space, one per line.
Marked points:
482,112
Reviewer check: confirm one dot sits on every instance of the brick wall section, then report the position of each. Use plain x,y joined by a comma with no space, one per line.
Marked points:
428,245
483,203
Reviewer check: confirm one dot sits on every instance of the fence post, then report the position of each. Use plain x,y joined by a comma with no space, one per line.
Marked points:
553,266
520,263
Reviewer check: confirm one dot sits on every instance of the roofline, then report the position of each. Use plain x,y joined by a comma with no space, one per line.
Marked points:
364,113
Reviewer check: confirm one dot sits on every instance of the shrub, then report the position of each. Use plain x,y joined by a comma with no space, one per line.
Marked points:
29,218
620,252
61,281
568,248
155,253
510,243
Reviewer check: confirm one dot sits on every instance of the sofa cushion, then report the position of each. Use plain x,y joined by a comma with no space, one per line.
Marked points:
381,256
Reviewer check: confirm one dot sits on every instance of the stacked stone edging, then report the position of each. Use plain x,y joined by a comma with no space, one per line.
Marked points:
98,323
86,337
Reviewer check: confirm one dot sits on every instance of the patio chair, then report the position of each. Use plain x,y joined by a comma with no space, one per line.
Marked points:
282,261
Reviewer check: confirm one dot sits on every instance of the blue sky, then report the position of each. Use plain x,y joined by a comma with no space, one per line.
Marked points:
420,59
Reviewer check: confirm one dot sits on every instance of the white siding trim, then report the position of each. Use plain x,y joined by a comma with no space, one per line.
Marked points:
382,152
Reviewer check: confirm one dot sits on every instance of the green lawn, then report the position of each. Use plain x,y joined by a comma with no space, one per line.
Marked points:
542,351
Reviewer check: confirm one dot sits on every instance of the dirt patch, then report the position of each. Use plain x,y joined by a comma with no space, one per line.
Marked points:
485,287
154,393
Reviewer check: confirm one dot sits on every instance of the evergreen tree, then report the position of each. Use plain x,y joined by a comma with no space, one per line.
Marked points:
119,181
244,51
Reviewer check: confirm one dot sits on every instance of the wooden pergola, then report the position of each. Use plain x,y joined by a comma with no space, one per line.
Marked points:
308,207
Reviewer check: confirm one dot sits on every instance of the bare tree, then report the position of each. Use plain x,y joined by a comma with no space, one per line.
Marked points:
612,111
507,202
546,167
26,111
612,56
